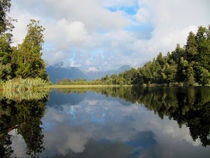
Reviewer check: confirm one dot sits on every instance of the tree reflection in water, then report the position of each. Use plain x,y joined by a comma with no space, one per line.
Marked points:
24,116
189,106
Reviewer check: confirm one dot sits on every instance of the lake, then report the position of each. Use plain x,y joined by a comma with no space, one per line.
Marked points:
108,123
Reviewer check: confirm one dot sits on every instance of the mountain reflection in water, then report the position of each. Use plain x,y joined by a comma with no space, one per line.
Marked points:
109,122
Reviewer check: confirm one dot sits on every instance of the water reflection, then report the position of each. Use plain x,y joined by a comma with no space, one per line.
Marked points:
110,122
188,106
23,116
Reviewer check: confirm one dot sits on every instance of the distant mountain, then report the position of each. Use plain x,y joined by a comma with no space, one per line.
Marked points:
97,75
57,72
123,68
60,73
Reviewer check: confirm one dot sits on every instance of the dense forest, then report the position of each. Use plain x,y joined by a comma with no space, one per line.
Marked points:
189,65
23,61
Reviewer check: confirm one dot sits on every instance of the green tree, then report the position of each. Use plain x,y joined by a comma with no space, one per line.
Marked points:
6,68
29,61
4,22
170,73
106,78
204,76
160,59
178,53
203,40
64,81
190,76
69,81
6,71
191,47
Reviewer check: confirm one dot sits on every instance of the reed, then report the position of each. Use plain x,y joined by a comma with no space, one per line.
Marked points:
26,95
24,89
22,85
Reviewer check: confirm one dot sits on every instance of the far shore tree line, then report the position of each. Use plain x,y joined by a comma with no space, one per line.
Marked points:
189,65
22,61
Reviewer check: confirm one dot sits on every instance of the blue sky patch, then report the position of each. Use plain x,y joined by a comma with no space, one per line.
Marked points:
98,51
127,10
130,10
142,31
49,46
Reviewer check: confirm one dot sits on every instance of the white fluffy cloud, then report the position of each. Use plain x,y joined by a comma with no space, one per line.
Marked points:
66,33
118,3
89,12
142,15
77,29
172,21
23,18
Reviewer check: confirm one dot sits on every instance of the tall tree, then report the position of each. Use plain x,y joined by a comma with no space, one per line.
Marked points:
191,47
29,61
6,68
4,22
203,39
5,59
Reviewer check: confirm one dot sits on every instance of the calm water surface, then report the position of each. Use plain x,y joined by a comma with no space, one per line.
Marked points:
108,123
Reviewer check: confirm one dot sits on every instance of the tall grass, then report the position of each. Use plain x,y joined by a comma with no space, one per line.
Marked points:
22,85
26,95
24,89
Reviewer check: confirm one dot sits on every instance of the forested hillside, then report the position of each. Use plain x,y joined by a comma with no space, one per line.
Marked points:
189,65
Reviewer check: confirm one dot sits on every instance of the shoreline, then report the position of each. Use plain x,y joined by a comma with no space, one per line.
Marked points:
143,85
86,86
54,86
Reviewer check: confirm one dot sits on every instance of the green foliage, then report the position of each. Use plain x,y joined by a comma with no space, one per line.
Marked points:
6,71
204,76
28,55
191,47
6,67
4,22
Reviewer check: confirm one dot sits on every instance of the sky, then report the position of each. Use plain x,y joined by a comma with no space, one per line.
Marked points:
99,35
